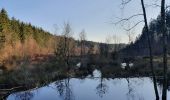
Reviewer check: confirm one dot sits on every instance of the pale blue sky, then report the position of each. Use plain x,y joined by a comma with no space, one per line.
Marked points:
94,16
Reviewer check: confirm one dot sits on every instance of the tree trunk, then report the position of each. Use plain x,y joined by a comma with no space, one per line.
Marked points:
150,51
81,52
163,22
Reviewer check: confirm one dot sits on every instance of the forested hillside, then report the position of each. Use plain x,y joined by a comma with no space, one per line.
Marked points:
18,39
140,46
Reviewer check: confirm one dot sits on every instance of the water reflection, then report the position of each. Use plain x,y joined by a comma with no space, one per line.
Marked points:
24,96
130,95
93,88
125,89
132,85
102,87
64,89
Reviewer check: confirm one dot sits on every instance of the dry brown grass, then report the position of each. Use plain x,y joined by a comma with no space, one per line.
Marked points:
12,55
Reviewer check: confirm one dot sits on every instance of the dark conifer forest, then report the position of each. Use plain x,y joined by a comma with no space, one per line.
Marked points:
140,48
17,36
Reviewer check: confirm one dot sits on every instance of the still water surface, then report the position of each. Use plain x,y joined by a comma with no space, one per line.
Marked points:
92,88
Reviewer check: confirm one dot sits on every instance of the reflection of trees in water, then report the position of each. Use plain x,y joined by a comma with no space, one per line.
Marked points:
160,83
24,96
60,86
130,93
3,96
64,89
131,84
102,88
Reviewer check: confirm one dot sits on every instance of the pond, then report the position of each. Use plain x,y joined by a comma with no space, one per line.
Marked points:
92,88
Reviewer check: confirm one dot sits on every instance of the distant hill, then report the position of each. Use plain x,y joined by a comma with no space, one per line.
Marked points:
140,46
92,43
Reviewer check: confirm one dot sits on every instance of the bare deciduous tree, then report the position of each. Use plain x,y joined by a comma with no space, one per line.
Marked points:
116,42
150,50
125,2
130,34
82,37
65,45
107,46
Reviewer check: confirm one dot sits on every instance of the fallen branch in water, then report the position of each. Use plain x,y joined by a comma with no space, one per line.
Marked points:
11,88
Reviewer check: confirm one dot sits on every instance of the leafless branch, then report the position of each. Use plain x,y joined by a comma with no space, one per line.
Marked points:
168,6
129,29
127,19
125,2
155,5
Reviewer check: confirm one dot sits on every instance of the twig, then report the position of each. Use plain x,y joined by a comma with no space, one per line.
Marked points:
124,3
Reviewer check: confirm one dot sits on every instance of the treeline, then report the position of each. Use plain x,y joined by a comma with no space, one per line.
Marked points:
20,39
140,46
